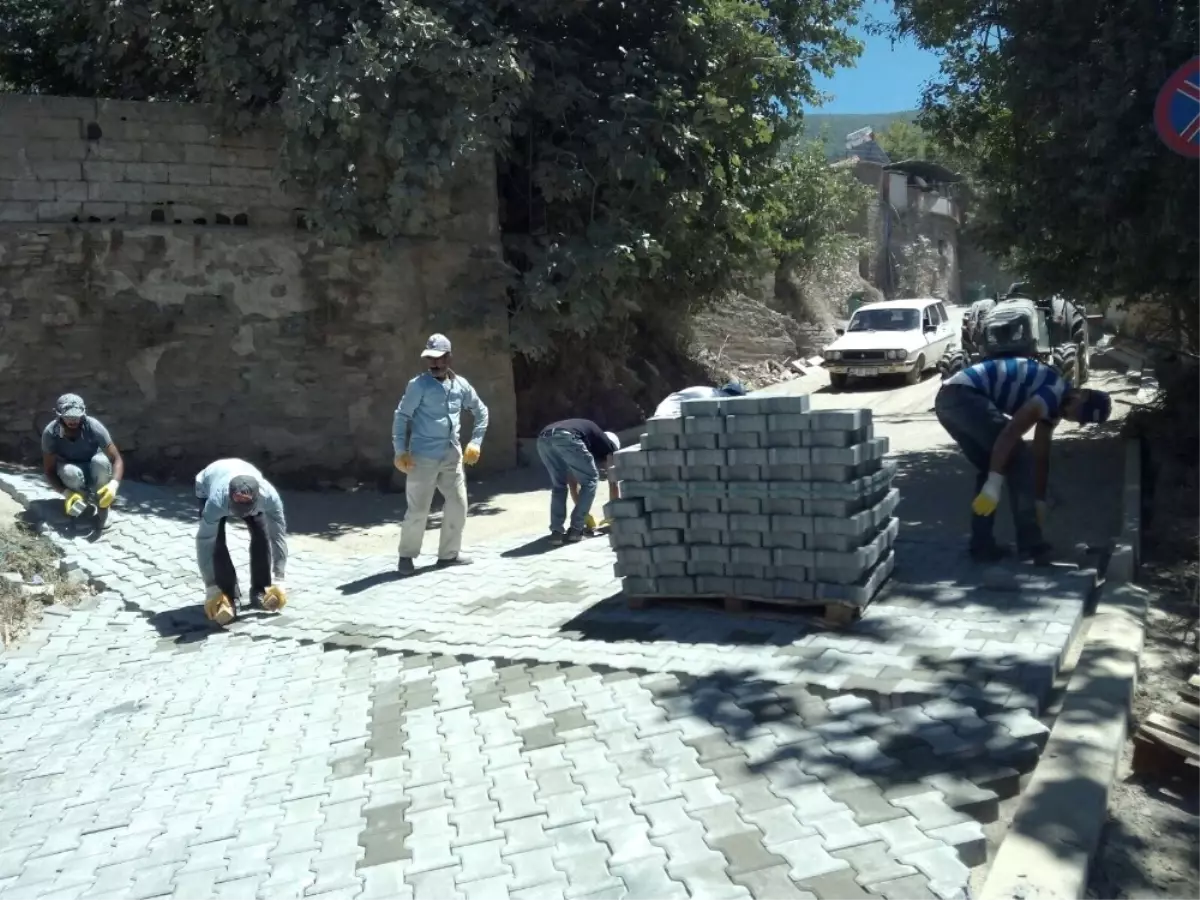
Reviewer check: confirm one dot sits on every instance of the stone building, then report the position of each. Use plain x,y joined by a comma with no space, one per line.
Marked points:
912,227
152,264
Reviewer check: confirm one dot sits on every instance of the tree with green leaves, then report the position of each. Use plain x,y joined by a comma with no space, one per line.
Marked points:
637,144
904,140
1053,103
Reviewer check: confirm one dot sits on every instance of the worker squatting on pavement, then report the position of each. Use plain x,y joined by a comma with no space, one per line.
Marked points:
573,452
987,408
233,488
426,444
671,406
80,460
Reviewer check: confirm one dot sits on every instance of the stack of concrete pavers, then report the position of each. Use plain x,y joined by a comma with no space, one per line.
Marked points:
757,498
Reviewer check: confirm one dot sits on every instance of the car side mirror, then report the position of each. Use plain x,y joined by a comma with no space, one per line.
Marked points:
839,331
929,328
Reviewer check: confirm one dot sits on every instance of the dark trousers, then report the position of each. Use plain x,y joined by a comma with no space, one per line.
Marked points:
975,422
260,558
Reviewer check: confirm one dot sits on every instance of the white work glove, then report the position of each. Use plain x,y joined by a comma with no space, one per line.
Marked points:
988,499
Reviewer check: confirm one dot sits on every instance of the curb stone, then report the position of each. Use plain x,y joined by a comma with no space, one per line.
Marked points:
1056,831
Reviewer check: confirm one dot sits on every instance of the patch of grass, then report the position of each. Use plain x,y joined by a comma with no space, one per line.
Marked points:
25,552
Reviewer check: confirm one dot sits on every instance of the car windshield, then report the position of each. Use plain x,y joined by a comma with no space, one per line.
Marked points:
884,320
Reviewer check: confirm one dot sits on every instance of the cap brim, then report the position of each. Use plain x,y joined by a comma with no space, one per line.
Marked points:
72,413
434,354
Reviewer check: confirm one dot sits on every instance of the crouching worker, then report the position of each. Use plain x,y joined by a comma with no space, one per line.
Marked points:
573,452
80,460
234,488
987,408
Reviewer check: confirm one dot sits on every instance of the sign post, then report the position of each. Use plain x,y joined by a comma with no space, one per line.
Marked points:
1177,110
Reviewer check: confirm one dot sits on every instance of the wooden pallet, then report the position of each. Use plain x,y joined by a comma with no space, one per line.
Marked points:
1170,744
829,614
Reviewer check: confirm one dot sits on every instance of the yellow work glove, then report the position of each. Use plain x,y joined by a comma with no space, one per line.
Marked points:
1042,513
404,462
275,597
217,606
74,504
590,522
988,499
471,454
107,494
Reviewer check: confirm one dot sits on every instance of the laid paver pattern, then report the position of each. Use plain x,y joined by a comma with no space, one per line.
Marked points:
511,729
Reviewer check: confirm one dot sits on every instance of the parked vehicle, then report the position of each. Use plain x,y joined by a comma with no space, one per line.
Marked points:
895,337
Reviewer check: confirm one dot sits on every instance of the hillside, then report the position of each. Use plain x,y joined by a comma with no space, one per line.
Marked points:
835,126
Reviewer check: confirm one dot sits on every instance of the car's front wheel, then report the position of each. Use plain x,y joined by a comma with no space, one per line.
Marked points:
837,380
914,374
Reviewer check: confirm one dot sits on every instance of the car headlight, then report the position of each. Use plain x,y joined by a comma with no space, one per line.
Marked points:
895,354
835,354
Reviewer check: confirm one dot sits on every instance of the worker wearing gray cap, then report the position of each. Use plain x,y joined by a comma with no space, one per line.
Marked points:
232,488
80,459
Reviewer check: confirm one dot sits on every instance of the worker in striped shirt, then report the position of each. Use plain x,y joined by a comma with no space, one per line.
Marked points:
988,408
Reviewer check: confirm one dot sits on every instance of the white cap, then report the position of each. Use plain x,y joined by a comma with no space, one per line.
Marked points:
614,440
437,345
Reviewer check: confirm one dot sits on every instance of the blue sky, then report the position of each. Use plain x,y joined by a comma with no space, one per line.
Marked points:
886,79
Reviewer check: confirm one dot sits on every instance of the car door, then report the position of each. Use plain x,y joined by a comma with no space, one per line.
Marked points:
929,335
946,335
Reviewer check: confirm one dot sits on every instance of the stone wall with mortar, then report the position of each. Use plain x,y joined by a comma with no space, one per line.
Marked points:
151,264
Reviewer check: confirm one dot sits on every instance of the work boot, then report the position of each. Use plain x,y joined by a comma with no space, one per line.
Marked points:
556,538
405,566
256,599
574,536
988,553
1039,554
458,560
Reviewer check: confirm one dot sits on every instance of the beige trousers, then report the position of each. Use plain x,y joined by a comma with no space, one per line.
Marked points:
447,477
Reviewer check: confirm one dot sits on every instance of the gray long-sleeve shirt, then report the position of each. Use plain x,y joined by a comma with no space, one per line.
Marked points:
212,486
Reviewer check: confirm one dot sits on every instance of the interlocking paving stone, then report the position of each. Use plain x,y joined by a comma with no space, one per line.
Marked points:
471,732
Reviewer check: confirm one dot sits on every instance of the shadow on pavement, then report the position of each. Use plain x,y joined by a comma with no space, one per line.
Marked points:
389,576
536,547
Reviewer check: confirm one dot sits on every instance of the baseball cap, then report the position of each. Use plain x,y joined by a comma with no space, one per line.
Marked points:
437,345
614,440
243,485
70,405
1095,407
733,389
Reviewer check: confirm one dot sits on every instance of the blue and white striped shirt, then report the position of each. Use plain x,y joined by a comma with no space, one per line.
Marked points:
1011,383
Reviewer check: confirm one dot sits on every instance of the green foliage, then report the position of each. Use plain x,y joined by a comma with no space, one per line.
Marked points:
904,140
1053,102
638,144
831,128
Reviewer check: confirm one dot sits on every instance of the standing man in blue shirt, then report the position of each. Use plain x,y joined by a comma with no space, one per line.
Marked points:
426,443
988,408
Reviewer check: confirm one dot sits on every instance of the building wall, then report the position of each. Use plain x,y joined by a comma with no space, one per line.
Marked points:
151,264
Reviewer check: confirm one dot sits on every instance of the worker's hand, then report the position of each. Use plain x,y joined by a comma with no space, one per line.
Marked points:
1043,511
590,522
217,607
74,505
275,597
989,498
107,494
471,454
404,462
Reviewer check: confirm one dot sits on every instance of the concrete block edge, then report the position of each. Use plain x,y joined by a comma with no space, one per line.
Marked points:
1056,831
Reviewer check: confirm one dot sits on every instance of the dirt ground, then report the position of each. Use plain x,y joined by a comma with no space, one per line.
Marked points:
1151,839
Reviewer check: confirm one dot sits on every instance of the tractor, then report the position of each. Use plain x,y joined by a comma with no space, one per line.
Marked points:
1052,330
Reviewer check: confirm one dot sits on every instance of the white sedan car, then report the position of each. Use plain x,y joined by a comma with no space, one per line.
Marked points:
895,337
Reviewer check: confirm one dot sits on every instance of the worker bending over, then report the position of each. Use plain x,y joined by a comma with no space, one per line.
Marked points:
670,407
987,408
80,460
573,452
232,488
